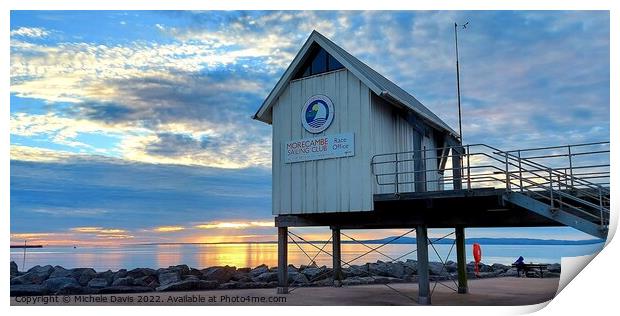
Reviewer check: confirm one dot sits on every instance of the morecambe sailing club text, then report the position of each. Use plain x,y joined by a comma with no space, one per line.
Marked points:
307,146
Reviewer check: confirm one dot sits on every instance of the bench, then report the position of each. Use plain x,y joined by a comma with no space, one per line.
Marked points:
536,267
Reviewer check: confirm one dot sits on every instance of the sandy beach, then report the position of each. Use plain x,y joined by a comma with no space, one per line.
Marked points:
494,292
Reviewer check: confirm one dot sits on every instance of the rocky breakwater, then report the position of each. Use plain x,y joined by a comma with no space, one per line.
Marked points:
56,280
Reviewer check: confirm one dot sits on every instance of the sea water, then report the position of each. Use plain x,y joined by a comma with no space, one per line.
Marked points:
254,254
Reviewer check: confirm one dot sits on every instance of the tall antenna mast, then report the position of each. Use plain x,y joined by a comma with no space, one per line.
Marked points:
458,79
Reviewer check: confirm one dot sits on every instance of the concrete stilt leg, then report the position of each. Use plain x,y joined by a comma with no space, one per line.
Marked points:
336,256
461,259
424,295
282,260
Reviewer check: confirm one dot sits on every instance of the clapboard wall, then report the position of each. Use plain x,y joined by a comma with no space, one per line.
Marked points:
391,133
338,184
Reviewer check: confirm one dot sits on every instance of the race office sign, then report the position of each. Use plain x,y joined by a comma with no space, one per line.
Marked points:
324,147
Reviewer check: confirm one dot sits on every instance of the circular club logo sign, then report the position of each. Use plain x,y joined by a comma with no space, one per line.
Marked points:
317,114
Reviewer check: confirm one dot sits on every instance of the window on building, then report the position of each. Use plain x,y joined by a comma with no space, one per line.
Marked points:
332,63
319,61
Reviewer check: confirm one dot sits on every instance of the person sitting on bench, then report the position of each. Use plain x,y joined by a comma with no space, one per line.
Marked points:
520,266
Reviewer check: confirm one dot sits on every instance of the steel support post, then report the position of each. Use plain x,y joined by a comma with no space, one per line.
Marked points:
461,261
337,267
459,231
282,260
457,168
424,293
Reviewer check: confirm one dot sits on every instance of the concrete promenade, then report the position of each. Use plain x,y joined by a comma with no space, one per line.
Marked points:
492,291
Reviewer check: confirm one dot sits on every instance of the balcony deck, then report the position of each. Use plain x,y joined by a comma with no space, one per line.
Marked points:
440,209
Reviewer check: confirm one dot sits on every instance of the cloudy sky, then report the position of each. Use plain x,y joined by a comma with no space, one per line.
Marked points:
135,126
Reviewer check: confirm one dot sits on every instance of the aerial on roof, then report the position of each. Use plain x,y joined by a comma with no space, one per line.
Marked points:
375,81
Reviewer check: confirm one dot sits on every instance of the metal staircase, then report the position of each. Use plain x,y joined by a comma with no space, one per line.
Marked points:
562,196
568,184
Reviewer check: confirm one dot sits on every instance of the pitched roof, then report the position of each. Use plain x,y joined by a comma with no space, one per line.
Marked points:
375,81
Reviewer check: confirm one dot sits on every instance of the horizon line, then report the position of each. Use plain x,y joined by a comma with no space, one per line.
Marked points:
438,239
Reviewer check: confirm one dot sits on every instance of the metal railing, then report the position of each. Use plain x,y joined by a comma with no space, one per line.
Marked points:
572,178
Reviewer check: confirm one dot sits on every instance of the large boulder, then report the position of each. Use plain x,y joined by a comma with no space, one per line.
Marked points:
83,275
485,268
169,277
43,270
436,268
36,275
141,272
126,281
122,273
188,285
315,274
290,268
241,276
107,275
481,266
219,274
60,272
191,277
55,284
259,270
181,269
498,267
98,283
378,268
195,272
14,270
395,269
354,271
149,280
451,266
411,267
389,269
28,290
20,280
297,278
266,277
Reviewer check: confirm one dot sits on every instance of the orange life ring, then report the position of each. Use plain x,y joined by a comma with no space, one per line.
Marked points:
477,252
